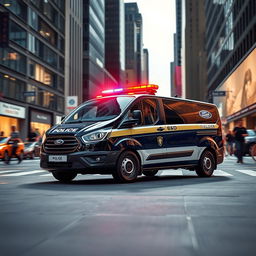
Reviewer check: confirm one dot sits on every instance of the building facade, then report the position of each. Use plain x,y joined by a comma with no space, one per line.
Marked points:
230,44
95,76
193,51
32,59
176,85
145,67
74,54
115,40
133,43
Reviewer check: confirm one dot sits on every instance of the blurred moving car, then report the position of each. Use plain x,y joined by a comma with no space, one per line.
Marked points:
250,140
32,149
6,148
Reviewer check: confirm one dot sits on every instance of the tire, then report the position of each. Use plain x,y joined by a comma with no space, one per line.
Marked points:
64,176
207,164
252,151
21,156
6,157
127,168
32,155
151,173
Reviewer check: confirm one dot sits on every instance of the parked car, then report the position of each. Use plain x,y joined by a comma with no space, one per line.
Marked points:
250,140
6,148
32,149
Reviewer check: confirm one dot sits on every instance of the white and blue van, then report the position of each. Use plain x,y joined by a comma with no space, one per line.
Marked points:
128,134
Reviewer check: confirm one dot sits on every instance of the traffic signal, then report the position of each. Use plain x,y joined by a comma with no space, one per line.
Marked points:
4,29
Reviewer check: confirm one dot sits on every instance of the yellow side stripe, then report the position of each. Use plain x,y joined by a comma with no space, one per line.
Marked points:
167,128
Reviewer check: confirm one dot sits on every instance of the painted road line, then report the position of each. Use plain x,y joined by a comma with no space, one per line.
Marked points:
23,173
248,172
9,171
46,175
170,173
221,173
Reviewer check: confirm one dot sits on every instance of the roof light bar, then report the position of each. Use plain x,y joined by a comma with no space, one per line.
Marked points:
139,89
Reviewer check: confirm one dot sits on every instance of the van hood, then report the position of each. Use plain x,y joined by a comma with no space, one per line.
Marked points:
75,128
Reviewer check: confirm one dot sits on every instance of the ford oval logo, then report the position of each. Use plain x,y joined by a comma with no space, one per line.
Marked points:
59,142
205,114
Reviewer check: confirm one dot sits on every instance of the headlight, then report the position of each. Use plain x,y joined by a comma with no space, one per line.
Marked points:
95,136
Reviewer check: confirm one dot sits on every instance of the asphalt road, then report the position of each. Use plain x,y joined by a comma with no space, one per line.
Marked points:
174,213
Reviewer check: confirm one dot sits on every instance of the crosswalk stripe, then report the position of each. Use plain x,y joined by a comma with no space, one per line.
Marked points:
248,172
9,171
170,173
22,173
221,173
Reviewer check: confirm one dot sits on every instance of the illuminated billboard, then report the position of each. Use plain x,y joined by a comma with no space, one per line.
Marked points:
240,87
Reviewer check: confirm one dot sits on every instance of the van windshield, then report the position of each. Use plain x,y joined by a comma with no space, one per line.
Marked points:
99,110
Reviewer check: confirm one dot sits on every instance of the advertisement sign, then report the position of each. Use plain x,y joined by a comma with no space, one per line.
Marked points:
240,87
12,110
71,102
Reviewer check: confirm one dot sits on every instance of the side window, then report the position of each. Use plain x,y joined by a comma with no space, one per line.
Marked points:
171,116
136,106
150,111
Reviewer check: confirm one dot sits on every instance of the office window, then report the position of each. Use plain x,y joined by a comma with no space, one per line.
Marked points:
13,60
18,34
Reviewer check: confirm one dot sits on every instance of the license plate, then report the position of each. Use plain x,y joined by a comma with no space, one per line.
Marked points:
58,158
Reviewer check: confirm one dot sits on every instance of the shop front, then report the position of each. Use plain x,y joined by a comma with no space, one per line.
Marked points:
11,115
40,121
239,99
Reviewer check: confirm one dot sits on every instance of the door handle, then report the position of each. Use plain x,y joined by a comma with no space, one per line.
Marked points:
160,129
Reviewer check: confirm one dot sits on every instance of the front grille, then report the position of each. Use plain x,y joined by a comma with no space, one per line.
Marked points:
69,145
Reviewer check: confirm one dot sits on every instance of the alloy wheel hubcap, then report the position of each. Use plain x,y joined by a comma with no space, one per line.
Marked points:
127,166
207,163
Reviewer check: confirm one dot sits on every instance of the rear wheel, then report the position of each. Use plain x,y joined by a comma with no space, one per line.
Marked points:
127,168
64,176
32,155
206,164
151,173
252,151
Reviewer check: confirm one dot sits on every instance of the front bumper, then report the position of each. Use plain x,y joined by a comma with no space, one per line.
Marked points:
99,162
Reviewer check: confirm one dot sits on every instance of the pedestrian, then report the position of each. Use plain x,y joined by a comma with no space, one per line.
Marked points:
15,135
230,142
32,135
239,134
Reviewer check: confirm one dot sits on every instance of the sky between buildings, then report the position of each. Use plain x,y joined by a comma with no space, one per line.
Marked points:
159,24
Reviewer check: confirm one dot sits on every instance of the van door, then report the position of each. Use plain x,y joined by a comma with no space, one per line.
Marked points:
181,139
150,133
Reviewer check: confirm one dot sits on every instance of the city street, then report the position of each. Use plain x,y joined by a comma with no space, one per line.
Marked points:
174,213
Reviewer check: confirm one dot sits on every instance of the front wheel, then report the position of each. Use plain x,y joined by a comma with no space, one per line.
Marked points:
64,176
206,164
127,168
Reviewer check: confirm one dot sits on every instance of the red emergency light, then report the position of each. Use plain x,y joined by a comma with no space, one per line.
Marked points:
139,89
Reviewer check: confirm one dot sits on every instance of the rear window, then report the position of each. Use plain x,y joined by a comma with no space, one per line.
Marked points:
178,112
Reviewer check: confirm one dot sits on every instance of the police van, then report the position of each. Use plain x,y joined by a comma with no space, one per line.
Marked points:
128,133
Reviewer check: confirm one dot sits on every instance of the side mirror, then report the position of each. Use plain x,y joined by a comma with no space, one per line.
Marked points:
136,119
136,114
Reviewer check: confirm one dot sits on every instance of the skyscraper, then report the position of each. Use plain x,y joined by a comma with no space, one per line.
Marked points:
134,43
32,65
193,51
74,50
115,39
95,76
145,67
